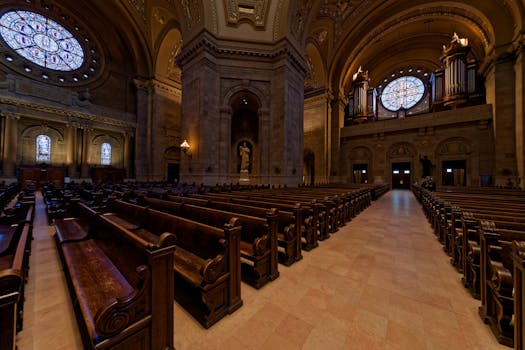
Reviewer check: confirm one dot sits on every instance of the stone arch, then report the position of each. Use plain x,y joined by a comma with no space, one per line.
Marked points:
402,152
457,149
360,155
27,144
117,150
245,123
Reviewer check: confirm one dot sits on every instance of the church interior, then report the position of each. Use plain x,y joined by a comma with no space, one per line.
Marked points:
332,109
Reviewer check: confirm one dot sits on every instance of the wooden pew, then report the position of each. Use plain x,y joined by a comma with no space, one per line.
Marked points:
13,272
289,223
497,300
312,215
118,286
206,262
518,258
258,246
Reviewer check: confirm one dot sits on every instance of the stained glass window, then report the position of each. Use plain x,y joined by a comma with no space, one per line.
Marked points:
404,92
105,154
41,40
43,148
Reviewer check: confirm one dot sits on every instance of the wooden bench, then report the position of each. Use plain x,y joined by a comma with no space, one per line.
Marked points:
258,244
497,299
118,285
518,258
289,223
13,273
312,215
206,263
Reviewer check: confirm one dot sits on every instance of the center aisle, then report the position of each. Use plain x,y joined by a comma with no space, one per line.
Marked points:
381,282
49,319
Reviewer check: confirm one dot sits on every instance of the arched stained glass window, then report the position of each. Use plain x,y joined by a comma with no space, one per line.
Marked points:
43,148
41,40
105,154
404,92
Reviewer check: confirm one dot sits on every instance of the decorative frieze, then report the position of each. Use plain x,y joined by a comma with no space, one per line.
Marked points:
254,11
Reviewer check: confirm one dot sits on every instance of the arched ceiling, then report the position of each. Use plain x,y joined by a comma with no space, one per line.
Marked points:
385,36
338,35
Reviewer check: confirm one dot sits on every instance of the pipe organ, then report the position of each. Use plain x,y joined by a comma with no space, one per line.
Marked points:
362,103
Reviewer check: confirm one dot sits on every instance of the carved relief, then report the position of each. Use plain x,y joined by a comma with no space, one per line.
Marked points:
159,15
360,153
254,11
310,82
401,150
320,36
340,10
174,70
140,6
300,16
454,147
191,12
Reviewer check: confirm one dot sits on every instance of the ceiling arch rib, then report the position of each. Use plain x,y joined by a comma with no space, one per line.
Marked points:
401,36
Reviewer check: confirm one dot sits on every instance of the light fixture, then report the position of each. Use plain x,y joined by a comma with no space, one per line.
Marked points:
185,147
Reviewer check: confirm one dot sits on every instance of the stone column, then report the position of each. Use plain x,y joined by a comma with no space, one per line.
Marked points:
10,145
224,147
337,121
125,157
86,153
71,141
501,93
519,68
143,139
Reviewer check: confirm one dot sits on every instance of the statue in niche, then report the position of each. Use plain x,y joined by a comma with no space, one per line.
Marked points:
244,152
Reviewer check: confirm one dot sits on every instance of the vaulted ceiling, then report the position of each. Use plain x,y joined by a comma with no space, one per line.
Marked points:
337,36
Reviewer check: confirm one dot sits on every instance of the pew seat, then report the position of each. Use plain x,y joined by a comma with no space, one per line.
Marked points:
96,281
117,283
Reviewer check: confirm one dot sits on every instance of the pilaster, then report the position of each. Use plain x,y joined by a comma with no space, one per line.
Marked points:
10,144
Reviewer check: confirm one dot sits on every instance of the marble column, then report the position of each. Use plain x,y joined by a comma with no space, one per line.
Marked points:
337,122
71,141
501,93
10,145
86,153
519,68
126,154
143,140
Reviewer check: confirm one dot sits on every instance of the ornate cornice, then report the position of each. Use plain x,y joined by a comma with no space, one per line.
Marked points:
166,89
207,43
66,114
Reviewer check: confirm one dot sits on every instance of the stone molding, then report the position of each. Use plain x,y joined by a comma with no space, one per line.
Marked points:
57,113
206,42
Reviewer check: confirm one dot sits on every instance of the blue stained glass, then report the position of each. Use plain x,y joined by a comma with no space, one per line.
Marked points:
105,154
404,92
41,40
43,148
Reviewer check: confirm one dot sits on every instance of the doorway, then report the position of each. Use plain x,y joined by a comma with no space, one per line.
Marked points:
360,173
401,175
454,172
173,172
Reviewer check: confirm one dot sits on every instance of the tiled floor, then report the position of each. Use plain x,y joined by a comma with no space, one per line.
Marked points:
380,282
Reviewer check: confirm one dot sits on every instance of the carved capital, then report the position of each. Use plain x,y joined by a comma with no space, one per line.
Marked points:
145,85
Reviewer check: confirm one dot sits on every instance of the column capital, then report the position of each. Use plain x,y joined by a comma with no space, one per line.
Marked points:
10,115
144,84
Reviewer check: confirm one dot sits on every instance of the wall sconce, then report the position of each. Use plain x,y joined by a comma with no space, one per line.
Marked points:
185,147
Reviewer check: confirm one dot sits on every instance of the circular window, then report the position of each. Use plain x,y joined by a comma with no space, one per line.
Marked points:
41,40
404,92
